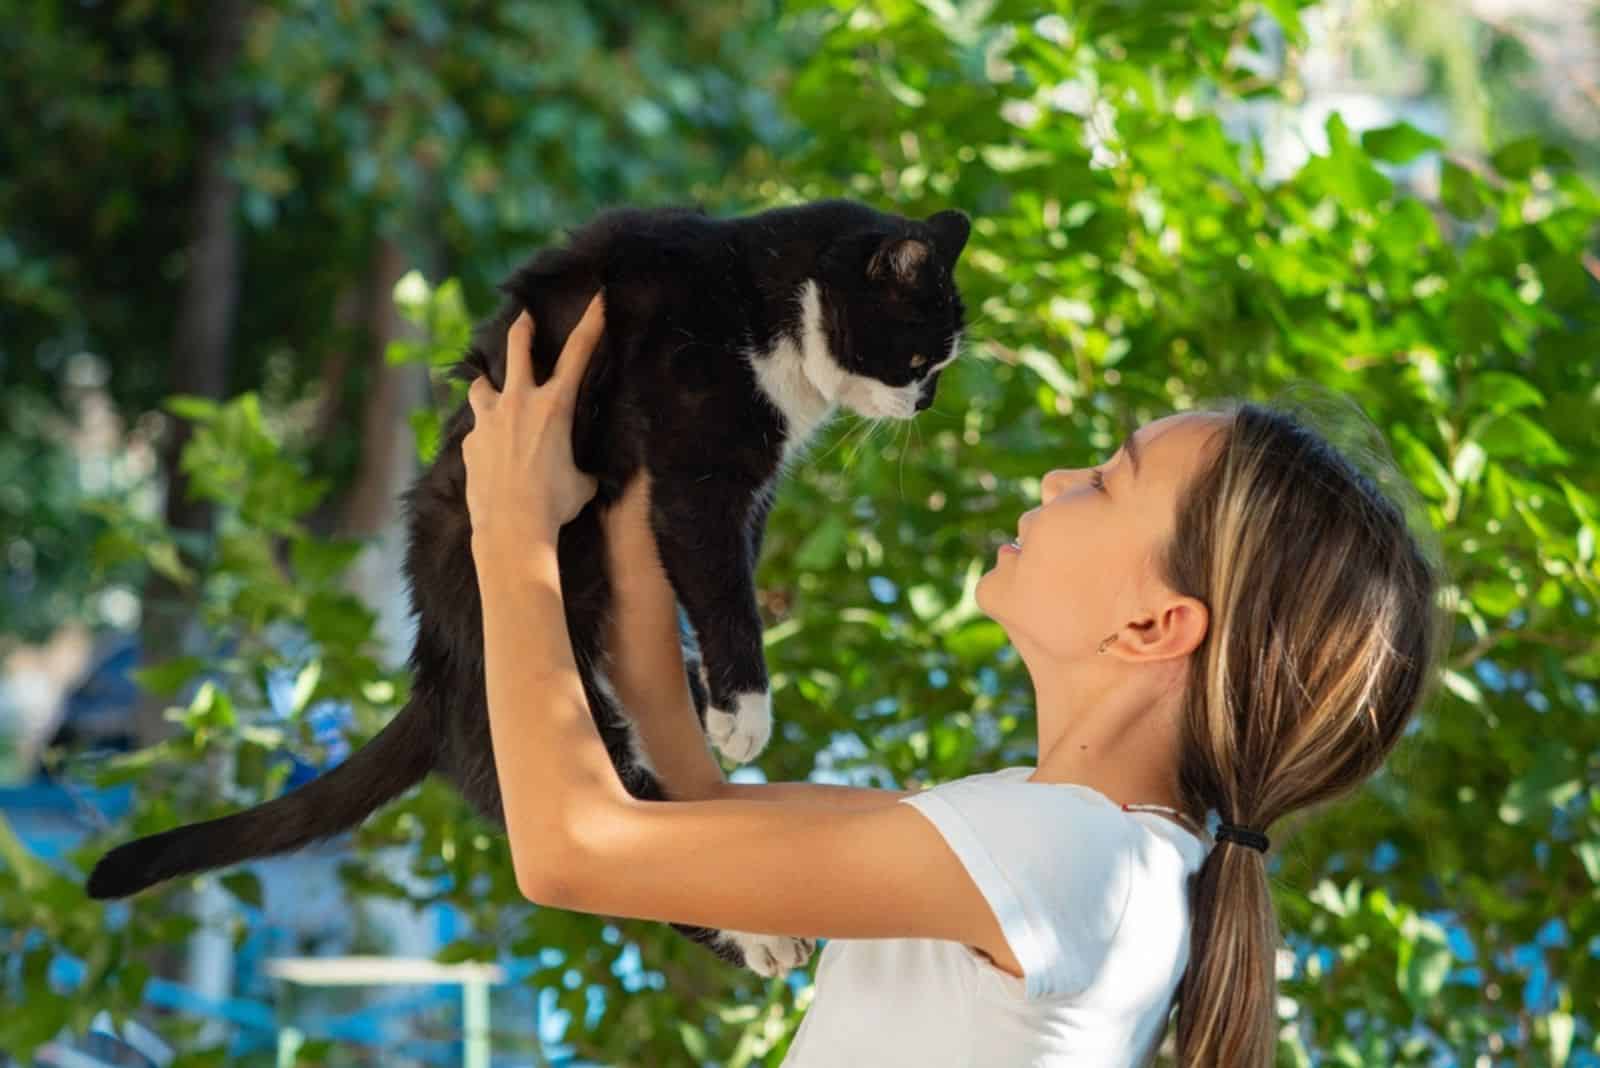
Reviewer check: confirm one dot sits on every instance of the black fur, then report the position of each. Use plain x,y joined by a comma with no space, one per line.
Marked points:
693,303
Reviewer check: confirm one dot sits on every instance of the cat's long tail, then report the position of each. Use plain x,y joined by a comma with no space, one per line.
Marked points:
396,757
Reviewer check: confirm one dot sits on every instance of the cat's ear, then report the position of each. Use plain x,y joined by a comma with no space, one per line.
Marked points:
950,232
899,260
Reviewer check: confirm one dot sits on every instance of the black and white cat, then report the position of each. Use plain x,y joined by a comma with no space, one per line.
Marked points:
728,343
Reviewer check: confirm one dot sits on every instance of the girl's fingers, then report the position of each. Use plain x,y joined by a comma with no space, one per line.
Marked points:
519,353
480,394
580,346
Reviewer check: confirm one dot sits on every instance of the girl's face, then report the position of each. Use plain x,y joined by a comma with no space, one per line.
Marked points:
1087,566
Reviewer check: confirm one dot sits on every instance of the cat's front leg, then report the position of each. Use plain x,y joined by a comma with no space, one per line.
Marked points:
771,955
705,547
741,727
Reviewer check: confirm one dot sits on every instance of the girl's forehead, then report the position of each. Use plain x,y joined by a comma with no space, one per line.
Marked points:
1173,442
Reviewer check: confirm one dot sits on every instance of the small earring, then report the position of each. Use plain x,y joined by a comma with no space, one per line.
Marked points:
1105,643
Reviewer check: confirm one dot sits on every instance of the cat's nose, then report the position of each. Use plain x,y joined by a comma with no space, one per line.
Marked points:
924,399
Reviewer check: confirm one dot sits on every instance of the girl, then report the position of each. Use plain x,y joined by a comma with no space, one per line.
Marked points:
1227,616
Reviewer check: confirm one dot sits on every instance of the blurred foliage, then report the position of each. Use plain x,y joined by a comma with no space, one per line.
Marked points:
467,132
44,538
471,131
1504,72
1128,259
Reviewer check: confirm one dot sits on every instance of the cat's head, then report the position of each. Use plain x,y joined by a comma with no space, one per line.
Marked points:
892,314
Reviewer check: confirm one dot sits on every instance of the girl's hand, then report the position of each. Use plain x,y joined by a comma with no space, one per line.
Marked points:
522,482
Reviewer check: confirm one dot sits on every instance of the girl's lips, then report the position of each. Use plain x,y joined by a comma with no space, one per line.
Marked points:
1009,548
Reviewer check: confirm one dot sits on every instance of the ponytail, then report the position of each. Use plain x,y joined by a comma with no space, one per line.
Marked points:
1227,1000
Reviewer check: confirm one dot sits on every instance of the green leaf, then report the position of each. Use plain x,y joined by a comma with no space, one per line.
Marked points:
412,295
195,409
1459,190
978,640
1561,1027
1496,490
1431,476
426,429
908,95
1326,893
244,885
1287,15
1589,854
1553,779
305,684
1497,597
1009,159
31,872
1518,158
1584,665
167,678
46,1014
1500,391
1350,173
462,952
823,546
1462,686
319,562
1422,976
338,619
926,601
1468,464
210,708
1046,367
163,556
694,1041
1399,143
1512,435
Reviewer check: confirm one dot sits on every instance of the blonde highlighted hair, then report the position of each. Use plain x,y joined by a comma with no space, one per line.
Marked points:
1322,578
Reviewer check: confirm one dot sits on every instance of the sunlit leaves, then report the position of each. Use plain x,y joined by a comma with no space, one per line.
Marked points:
1399,143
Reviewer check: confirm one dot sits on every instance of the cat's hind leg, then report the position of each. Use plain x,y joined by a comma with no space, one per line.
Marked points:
766,955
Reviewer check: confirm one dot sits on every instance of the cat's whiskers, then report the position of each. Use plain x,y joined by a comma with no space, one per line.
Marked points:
861,425
872,430
981,318
910,426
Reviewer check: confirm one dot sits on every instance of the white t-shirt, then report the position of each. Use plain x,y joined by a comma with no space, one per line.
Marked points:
1093,902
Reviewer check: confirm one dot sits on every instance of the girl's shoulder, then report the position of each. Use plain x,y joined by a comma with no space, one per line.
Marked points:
1072,800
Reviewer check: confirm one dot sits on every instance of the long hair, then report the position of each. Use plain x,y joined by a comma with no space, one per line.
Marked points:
1325,635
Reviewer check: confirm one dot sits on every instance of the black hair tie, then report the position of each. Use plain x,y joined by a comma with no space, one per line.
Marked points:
1228,832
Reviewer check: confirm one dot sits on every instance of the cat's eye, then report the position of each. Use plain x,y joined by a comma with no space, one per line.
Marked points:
918,360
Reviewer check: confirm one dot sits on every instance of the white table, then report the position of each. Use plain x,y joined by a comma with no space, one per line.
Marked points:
474,979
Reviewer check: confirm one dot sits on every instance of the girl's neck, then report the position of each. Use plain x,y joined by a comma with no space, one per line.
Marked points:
1134,765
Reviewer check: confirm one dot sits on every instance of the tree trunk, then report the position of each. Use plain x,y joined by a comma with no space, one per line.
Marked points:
388,461
201,342
388,455
211,283
199,366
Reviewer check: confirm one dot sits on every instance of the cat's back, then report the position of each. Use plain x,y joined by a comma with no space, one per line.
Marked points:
664,243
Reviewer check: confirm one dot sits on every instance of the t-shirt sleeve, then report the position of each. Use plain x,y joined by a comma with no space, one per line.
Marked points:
1054,865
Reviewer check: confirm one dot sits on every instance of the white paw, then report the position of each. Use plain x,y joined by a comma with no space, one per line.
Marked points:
741,734
771,955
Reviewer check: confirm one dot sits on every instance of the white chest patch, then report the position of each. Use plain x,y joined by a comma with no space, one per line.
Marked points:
801,380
